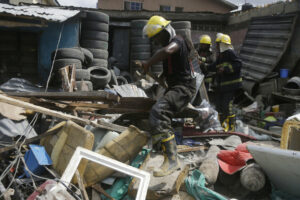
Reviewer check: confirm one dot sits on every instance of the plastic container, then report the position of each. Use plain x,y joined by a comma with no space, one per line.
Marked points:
284,73
35,159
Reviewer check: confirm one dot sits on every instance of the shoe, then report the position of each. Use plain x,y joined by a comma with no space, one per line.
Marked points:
171,162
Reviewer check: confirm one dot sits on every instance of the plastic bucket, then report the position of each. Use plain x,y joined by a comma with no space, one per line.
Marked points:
284,73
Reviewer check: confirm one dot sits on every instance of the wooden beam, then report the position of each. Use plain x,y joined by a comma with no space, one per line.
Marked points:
263,131
98,188
81,186
61,115
70,96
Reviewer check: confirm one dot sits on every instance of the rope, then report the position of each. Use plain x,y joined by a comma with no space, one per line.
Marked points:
52,66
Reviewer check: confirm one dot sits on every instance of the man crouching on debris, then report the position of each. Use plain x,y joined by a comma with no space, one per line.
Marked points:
181,88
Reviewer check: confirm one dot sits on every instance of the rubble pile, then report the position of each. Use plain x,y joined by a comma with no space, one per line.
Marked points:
88,137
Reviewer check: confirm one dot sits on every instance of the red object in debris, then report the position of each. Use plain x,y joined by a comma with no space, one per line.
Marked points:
12,170
232,161
40,189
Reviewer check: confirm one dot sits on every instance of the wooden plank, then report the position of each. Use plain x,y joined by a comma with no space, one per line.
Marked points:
263,131
81,186
189,149
98,188
88,105
71,96
61,115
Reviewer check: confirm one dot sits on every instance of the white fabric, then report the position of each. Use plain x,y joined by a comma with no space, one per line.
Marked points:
171,31
225,47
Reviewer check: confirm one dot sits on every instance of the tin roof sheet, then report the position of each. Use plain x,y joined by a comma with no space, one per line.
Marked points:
56,14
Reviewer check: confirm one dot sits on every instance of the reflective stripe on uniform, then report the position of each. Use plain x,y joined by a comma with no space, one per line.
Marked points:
168,139
232,82
226,64
208,80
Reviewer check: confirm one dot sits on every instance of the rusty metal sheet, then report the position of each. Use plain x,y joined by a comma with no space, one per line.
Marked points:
281,166
56,14
265,43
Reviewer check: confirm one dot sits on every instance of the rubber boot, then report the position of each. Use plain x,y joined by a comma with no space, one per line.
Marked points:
229,123
171,162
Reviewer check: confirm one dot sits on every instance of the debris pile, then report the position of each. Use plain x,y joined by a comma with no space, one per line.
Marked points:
87,136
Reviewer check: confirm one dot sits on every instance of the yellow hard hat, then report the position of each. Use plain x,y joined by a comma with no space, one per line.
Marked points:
225,39
154,25
205,39
218,37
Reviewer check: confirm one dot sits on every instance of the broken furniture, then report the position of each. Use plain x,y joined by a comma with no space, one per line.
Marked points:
96,158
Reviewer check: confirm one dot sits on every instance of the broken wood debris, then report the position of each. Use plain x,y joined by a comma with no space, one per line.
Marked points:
69,96
61,115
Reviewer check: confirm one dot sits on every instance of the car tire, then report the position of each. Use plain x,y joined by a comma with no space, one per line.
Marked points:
82,74
97,16
60,63
100,76
88,25
121,80
94,44
79,85
99,63
73,53
94,35
99,53
181,25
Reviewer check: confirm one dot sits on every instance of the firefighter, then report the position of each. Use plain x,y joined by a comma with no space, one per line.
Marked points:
206,59
228,77
181,88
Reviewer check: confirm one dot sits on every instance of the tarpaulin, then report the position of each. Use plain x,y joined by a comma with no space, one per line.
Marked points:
195,185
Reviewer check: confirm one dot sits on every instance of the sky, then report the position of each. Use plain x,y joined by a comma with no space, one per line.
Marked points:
253,2
79,3
92,3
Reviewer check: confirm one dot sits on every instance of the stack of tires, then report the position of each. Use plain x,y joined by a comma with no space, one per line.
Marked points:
94,36
140,45
183,28
78,57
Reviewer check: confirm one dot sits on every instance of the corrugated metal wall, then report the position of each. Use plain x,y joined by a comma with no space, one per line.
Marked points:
265,43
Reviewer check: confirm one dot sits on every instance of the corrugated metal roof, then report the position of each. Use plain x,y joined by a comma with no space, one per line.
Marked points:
48,13
265,43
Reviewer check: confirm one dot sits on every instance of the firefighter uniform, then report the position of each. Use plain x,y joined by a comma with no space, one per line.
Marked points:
180,91
206,59
228,68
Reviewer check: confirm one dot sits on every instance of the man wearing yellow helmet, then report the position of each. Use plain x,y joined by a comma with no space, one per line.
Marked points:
228,67
181,88
205,58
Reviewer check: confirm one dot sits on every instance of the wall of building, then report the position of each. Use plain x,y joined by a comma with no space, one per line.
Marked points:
48,41
154,5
